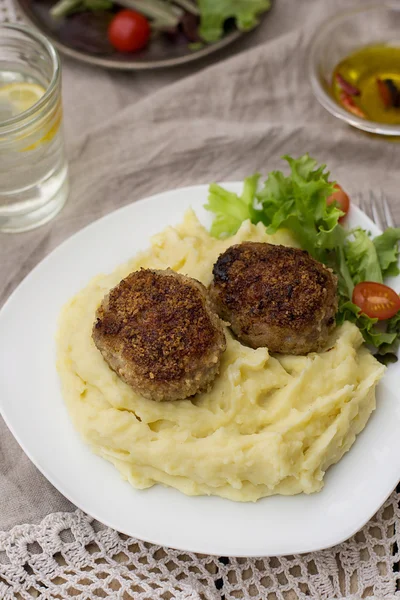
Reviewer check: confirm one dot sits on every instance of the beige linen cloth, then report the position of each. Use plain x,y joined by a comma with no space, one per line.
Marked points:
132,135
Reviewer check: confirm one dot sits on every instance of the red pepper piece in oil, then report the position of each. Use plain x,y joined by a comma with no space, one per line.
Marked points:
389,93
394,91
349,104
384,93
346,86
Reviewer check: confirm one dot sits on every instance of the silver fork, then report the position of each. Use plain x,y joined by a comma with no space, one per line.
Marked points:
377,208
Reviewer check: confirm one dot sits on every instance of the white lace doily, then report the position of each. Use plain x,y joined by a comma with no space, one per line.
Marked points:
71,556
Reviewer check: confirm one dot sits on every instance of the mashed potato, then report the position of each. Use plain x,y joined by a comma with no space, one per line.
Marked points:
269,425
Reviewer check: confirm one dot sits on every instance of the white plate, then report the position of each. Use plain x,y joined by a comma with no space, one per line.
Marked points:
31,404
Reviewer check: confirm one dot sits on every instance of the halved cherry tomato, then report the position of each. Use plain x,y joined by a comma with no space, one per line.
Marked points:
376,300
341,198
128,31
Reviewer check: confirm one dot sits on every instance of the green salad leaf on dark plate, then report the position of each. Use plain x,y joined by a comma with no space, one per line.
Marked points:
214,13
198,21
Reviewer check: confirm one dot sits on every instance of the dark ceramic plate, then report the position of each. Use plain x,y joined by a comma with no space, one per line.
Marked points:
84,37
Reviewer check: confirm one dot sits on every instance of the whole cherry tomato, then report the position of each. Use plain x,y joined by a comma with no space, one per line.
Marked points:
129,31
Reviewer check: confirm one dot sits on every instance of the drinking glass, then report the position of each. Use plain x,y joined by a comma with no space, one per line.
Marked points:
33,167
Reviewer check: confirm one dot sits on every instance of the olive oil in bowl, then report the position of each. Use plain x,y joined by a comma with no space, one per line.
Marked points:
367,83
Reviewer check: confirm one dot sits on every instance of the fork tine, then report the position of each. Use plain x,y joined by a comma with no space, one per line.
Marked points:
387,212
363,204
366,206
377,209
378,217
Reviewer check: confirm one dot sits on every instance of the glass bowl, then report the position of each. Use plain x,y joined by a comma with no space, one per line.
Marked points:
340,36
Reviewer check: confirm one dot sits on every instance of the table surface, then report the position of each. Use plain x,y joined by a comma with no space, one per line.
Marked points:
91,97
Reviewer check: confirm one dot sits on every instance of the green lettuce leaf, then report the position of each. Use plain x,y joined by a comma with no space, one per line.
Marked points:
394,323
337,261
362,258
373,334
230,209
387,250
388,351
214,13
298,203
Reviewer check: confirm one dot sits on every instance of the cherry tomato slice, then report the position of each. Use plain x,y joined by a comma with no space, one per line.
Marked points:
341,199
128,31
376,300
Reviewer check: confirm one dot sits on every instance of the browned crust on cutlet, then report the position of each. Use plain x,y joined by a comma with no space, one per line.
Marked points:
289,291
275,296
158,331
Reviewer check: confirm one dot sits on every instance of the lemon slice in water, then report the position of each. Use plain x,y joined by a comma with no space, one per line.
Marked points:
16,98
